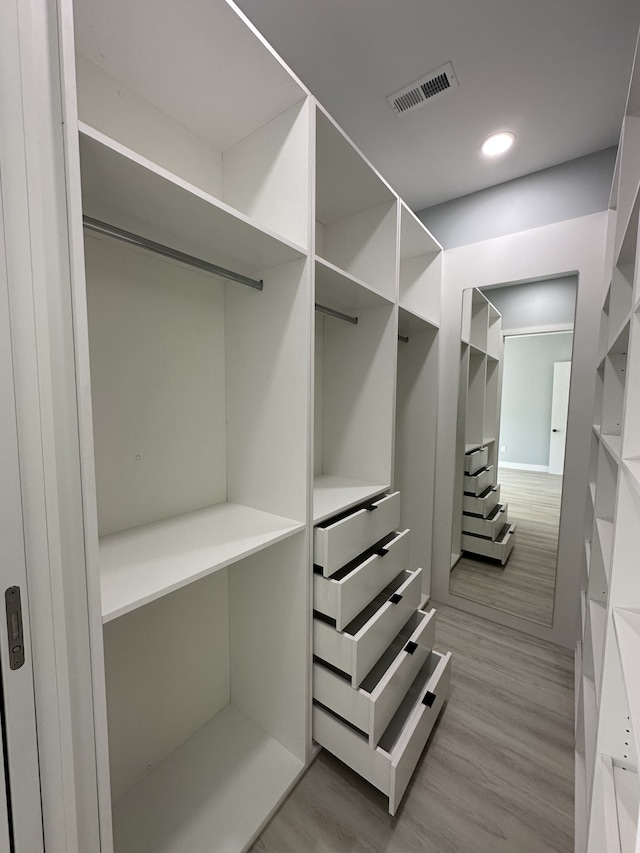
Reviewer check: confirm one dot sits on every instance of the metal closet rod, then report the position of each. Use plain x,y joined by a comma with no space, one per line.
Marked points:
142,242
330,311
404,338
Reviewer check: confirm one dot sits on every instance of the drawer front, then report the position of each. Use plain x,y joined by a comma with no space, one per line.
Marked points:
356,654
498,550
476,484
390,769
371,707
342,598
475,460
411,743
335,545
483,504
489,527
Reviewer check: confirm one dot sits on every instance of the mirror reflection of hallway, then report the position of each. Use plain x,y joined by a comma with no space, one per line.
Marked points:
537,324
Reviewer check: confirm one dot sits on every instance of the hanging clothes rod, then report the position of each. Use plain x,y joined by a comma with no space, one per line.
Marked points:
142,242
330,311
404,338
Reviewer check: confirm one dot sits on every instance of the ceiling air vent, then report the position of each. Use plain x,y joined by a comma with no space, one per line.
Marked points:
417,94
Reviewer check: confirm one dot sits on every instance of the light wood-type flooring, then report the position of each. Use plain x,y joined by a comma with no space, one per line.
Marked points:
497,775
526,585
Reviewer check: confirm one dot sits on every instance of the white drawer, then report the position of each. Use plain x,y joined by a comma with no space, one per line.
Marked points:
475,460
489,527
390,765
355,650
338,541
483,504
497,550
347,592
476,484
371,707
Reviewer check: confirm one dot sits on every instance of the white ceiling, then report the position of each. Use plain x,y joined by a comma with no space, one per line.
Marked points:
555,72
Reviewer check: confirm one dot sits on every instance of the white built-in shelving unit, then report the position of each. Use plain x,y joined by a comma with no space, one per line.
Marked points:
480,524
221,421
608,649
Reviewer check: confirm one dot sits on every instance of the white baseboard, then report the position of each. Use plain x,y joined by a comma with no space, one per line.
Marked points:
524,466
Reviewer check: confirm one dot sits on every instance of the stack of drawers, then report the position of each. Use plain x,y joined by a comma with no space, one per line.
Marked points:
485,526
378,686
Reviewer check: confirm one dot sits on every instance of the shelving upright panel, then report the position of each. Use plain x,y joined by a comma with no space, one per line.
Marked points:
608,648
420,265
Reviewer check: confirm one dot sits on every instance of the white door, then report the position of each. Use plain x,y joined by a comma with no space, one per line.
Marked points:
559,411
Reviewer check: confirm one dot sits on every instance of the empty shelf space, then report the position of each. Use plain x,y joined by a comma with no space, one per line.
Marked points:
334,285
613,443
119,184
627,625
605,533
332,495
627,796
598,620
632,467
220,787
142,564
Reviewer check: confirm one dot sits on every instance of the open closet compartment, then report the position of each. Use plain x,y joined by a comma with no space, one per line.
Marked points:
207,706
416,387
201,419
176,88
355,327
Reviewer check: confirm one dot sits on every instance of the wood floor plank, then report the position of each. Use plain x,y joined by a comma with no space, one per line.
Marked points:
497,775
526,585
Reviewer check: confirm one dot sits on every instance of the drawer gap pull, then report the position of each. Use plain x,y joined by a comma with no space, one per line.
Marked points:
429,699
371,507
395,598
382,552
411,647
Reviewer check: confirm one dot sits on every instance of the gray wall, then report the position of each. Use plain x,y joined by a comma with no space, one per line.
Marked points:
570,190
525,420
535,304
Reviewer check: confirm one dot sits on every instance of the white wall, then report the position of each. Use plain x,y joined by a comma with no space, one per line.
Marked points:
536,304
527,389
571,246
574,189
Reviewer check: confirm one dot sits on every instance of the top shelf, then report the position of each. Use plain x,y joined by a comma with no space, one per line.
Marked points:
143,45
144,563
346,184
127,190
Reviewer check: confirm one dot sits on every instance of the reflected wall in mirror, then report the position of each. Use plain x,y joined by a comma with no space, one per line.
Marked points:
515,363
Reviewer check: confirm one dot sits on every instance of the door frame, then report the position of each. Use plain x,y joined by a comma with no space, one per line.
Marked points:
34,156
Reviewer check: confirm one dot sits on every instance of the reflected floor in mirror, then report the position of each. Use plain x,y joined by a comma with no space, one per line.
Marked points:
526,585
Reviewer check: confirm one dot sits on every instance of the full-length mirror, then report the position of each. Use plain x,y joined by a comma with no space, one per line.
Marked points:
515,369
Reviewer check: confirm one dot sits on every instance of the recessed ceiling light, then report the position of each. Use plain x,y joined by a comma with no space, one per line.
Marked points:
497,143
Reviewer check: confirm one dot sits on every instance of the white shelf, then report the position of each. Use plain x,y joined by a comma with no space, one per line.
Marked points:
335,285
605,533
119,183
144,563
215,792
627,625
633,469
596,429
590,726
598,619
613,443
332,495
627,796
